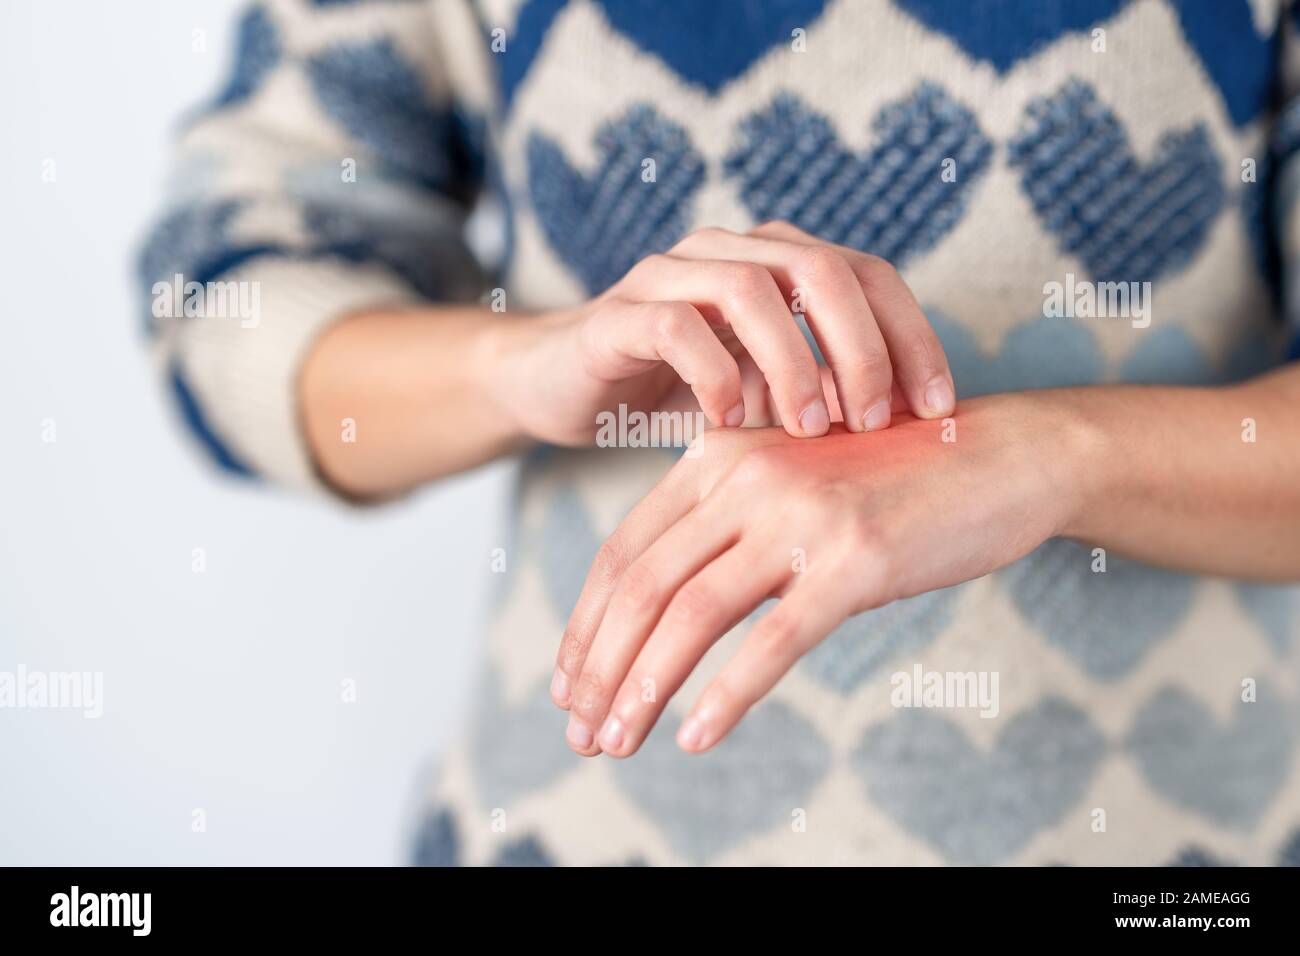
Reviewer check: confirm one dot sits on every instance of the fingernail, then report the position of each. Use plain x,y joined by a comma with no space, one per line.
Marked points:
611,735
560,687
736,417
938,395
578,735
815,419
688,738
877,417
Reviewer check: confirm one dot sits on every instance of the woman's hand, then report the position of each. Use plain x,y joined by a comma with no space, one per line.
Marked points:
832,528
708,326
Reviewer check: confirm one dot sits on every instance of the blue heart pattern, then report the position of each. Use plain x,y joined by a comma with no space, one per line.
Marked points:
1194,856
975,807
1237,58
1288,855
1040,353
437,843
1059,352
861,645
603,224
751,782
379,98
1229,772
1273,609
1105,621
257,52
710,44
565,548
1004,32
706,44
892,201
1125,221
536,754
1241,62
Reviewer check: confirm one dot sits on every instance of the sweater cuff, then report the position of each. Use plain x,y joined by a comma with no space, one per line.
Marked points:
243,370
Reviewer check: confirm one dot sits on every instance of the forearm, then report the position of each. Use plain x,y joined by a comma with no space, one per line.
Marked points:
392,399
1169,476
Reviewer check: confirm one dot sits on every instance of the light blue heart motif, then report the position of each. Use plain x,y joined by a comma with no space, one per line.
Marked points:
750,782
977,807
865,642
565,548
1040,353
1273,609
1228,773
1106,621
893,200
517,748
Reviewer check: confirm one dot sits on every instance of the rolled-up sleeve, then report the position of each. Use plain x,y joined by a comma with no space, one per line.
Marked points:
332,173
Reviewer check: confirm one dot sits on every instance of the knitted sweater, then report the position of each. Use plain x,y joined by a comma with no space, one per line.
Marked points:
993,150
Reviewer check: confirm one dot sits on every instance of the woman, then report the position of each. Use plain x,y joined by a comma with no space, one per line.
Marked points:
1028,207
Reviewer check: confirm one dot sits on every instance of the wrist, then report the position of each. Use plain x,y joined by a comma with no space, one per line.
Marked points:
510,353
1076,451
1057,441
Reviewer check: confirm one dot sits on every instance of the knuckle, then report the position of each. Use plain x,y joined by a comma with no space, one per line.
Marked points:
870,545
746,282
590,696
759,466
609,564
776,634
873,365
713,447
593,341
823,262
638,589
870,262
876,584
866,535
876,274
777,227
651,264
673,321
701,238
695,602
726,697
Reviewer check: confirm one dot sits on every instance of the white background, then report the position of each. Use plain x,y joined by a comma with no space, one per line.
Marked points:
222,689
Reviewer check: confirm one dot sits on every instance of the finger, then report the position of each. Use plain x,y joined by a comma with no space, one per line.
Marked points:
627,338
745,297
654,514
809,612
818,279
760,405
704,609
638,601
919,361
760,411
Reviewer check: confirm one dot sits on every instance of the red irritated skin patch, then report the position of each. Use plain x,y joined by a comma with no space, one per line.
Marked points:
831,527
